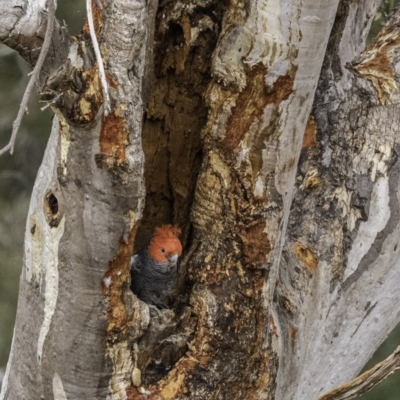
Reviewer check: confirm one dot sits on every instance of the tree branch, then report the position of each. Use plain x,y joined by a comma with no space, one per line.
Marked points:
107,107
32,81
367,380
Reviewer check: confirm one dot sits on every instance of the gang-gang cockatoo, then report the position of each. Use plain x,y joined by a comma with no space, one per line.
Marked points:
154,267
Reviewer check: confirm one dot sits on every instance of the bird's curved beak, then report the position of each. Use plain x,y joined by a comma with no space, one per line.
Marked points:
173,259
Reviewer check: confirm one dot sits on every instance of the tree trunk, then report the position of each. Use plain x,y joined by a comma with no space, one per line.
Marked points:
211,107
85,206
336,297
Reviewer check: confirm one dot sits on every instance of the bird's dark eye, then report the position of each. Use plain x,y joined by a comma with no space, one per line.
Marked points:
163,250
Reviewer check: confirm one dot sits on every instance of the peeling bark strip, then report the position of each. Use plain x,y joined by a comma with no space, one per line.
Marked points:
252,101
115,281
376,64
367,381
310,134
249,106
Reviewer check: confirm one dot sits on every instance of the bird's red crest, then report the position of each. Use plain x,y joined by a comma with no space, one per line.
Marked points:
165,243
167,231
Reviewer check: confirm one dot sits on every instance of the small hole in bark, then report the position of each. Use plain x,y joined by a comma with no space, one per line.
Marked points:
395,248
51,208
52,203
33,229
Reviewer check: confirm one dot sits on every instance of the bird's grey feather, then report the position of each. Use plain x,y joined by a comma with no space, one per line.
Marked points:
152,281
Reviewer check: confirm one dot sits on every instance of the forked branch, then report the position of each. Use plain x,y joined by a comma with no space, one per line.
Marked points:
367,380
34,75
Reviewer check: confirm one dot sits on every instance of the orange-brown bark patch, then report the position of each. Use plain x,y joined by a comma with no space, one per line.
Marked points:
97,19
133,394
310,134
377,63
306,256
282,89
250,105
114,138
256,245
251,102
379,72
312,182
114,280
274,329
111,81
292,333
173,385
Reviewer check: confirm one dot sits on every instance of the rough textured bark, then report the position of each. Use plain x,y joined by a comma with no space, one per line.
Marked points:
252,141
337,283
258,306
258,103
86,202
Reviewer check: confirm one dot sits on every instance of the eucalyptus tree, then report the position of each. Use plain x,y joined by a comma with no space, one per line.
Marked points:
268,133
